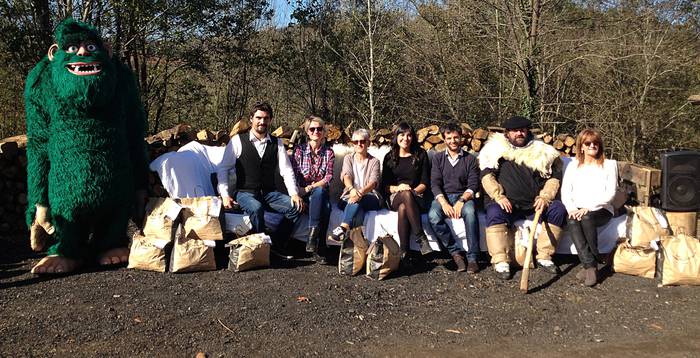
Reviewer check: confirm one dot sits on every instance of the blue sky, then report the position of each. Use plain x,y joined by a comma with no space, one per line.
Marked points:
282,12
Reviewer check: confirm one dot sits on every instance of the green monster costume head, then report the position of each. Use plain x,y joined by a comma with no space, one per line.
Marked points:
83,72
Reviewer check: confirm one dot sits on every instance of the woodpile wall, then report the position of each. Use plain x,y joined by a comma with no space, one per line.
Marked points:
13,157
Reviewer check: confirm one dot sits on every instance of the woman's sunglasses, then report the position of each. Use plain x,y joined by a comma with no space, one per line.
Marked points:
315,129
358,142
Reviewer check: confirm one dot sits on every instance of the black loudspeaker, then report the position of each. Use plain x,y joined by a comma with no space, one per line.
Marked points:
680,180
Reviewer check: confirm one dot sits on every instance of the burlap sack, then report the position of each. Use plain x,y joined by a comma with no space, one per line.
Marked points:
383,257
202,217
353,253
634,260
192,254
147,254
679,261
249,252
645,224
161,219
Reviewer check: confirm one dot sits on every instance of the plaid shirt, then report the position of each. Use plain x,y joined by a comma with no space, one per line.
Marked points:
310,167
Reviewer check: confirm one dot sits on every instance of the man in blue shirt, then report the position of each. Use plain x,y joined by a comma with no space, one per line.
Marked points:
454,180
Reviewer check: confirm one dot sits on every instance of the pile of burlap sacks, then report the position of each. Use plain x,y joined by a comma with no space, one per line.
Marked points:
180,235
653,248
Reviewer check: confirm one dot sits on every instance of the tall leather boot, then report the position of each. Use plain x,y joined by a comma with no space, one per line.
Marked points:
312,243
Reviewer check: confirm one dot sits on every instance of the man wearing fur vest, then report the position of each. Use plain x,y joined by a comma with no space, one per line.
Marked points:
520,175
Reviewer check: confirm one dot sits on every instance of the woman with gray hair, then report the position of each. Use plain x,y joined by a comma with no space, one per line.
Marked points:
360,176
313,168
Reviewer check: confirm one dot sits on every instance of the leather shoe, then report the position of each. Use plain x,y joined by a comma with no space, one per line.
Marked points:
422,241
320,259
459,261
472,267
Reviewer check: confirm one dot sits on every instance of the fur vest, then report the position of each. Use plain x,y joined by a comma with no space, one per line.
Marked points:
535,155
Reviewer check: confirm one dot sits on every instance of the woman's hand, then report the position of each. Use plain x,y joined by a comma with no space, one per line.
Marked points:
403,187
578,214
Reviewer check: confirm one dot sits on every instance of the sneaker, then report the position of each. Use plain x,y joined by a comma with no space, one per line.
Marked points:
459,261
502,270
338,234
472,267
549,266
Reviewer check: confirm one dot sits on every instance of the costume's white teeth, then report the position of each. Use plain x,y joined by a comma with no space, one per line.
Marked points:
85,69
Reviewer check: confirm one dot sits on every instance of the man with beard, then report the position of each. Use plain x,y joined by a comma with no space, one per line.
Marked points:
520,176
454,179
86,158
264,174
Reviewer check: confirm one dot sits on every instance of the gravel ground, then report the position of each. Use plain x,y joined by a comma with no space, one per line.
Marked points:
303,309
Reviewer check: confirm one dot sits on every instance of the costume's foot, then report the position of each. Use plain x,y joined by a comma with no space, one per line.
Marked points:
502,270
548,266
591,277
459,261
55,265
472,267
116,256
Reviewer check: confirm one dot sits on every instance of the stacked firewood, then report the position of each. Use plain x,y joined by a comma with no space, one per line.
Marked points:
13,157
13,184
428,137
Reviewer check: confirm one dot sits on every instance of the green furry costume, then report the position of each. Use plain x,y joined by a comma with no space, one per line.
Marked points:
85,148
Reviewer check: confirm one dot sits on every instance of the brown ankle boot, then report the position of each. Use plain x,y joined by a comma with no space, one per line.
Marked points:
591,277
459,261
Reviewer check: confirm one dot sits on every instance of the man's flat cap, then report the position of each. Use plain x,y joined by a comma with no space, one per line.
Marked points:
517,122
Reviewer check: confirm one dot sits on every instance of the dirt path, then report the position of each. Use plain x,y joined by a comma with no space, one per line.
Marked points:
260,313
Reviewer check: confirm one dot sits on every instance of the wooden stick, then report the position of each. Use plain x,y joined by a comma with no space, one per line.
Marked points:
528,259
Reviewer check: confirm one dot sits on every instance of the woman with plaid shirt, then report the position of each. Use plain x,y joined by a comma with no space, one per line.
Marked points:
313,168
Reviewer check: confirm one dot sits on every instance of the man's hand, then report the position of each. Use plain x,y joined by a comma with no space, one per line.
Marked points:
447,209
457,210
228,202
578,214
297,202
505,204
540,204
41,229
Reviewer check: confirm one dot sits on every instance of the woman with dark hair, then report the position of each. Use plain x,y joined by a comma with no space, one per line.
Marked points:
405,177
587,190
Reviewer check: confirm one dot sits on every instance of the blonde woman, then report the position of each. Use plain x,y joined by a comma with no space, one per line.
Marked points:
361,176
588,188
313,168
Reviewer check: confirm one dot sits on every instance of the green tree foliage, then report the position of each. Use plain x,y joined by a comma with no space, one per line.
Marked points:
624,67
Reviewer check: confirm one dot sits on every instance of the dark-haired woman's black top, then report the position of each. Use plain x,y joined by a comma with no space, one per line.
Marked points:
413,170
